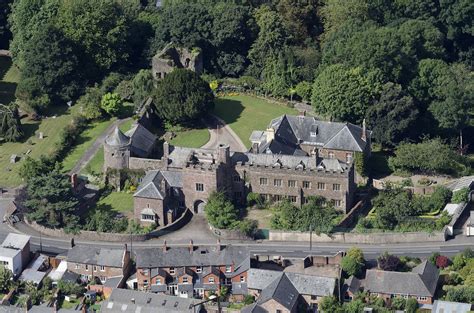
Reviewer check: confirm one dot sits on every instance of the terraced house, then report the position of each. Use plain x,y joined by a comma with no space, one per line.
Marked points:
193,271
285,162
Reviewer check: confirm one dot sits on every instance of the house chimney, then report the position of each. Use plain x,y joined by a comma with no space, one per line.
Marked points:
125,246
191,246
74,181
270,134
165,247
166,152
133,300
364,131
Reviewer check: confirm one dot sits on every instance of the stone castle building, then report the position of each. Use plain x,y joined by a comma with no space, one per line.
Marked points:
172,57
275,167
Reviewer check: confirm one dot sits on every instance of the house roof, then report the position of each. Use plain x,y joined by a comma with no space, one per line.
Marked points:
16,241
253,308
291,131
304,283
282,291
117,138
201,256
421,281
142,139
450,307
150,186
125,300
96,256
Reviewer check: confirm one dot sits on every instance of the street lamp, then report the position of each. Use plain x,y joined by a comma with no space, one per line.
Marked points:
211,298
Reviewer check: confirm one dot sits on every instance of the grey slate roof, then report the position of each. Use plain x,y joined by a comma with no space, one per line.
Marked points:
352,284
117,138
253,308
304,284
142,139
282,291
420,282
291,131
96,256
124,300
150,186
201,256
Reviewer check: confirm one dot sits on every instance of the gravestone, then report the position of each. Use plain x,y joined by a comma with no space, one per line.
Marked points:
40,135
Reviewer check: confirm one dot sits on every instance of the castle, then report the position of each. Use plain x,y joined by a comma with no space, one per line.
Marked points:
295,158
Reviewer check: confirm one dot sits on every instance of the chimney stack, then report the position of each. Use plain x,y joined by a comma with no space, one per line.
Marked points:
364,137
303,113
270,134
191,246
74,182
165,247
166,152
125,246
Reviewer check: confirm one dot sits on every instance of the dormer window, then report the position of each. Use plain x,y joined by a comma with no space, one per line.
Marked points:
313,134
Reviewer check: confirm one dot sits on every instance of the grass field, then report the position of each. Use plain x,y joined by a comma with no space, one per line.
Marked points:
121,202
245,114
85,141
193,138
96,164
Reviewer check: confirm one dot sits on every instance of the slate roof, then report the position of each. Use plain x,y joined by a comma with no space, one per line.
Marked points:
421,281
305,284
124,300
142,140
117,138
291,131
150,186
201,256
253,308
282,291
96,256
352,284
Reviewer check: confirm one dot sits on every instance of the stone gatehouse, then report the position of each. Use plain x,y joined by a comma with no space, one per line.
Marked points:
183,178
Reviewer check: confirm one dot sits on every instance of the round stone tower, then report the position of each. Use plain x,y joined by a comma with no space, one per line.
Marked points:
116,150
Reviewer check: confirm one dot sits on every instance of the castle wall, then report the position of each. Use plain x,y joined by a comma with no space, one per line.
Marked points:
116,157
197,175
145,164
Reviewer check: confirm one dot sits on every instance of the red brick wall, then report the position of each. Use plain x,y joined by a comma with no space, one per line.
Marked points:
157,205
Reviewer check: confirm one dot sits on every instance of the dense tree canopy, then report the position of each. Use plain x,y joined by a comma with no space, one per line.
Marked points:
10,125
182,97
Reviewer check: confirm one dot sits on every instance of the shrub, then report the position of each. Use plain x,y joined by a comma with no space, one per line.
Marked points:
388,262
220,212
90,103
411,305
248,227
351,266
460,195
398,303
442,261
111,103
433,257
304,90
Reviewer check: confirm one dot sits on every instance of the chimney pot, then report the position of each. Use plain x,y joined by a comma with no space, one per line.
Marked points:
364,136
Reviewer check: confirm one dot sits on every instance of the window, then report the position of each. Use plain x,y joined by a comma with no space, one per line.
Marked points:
145,283
199,269
158,281
337,203
94,268
228,269
148,205
76,267
145,272
292,199
87,267
148,217
277,182
278,311
277,198
103,279
263,181
237,179
348,157
183,293
185,280
292,183
313,134
422,298
211,280
331,155
199,187
242,279
314,297
305,200
102,268
172,271
321,186
306,184
336,187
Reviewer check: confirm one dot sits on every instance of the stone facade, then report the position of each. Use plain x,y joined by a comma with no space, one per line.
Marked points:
175,57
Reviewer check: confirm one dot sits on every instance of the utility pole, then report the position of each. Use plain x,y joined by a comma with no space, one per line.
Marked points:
310,237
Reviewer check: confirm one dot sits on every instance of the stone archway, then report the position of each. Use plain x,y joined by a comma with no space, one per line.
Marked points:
199,206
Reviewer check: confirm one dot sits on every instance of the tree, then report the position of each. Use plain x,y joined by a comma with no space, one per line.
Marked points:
304,90
142,86
343,93
329,304
51,201
90,103
10,125
300,19
5,279
411,305
460,294
220,212
442,261
183,97
393,206
351,266
111,103
318,216
391,115
104,219
31,168
461,195
51,69
336,12
388,262
5,34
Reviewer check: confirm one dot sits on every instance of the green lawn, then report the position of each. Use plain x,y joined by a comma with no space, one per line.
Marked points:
51,128
96,164
245,114
85,141
125,126
193,138
119,201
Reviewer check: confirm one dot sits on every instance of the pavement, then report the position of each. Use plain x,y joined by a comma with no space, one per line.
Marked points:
98,143
222,134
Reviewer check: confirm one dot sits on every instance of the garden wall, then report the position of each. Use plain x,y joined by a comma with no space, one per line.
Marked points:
368,238
229,234
112,237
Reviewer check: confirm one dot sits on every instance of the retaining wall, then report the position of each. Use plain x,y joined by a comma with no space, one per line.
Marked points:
369,238
229,234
